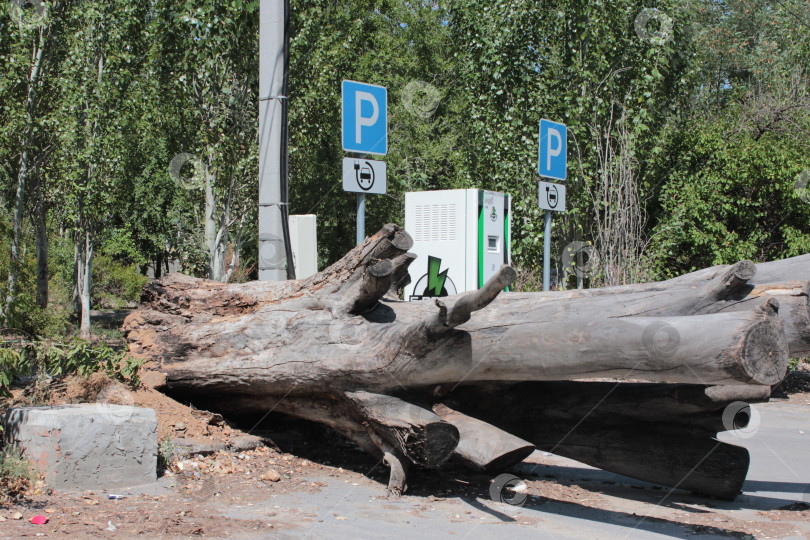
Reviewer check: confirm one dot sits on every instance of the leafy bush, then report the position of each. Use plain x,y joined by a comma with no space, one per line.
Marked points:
51,323
115,284
30,359
794,363
730,196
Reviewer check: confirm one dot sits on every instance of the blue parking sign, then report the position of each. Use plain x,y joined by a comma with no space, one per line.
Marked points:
553,160
365,118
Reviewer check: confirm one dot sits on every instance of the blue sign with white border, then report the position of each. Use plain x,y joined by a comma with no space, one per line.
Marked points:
365,118
553,159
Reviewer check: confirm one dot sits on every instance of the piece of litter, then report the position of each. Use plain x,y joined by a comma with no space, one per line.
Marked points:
110,526
520,488
341,517
111,496
39,520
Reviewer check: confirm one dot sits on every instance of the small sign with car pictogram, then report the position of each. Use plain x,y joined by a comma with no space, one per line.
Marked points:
551,196
364,176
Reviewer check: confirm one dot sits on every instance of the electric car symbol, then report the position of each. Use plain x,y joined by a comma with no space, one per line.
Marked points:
364,175
551,197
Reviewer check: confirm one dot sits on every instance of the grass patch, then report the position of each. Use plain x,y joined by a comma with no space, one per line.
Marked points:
17,476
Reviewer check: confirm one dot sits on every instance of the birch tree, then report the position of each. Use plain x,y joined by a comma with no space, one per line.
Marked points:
103,60
31,36
209,54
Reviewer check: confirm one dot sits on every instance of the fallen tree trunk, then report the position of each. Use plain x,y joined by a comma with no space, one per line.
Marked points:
335,347
678,458
482,446
654,432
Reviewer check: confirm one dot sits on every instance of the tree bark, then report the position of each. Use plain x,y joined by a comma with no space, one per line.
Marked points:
340,349
22,177
85,248
659,433
482,446
39,218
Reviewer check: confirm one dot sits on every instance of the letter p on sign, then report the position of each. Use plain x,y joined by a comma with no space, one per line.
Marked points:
553,159
365,118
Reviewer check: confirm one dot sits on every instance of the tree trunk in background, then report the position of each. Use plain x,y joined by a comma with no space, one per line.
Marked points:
22,177
75,303
16,234
84,272
41,228
212,239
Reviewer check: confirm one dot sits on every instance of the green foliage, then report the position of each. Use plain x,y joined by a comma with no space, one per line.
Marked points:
51,323
168,453
13,465
115,284
717,131
730,197
76,356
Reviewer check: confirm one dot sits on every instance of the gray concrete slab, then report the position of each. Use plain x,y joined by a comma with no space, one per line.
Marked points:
88,446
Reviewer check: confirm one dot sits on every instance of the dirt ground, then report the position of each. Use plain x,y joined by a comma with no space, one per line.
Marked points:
208,496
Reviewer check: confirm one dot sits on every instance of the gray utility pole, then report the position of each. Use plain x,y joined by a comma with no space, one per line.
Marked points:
272,140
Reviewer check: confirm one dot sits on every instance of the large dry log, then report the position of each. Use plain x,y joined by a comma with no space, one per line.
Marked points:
678,458
482,446
654,432
417,433
687,404
300,346
333,348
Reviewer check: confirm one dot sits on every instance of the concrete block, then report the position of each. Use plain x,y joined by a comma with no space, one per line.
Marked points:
91,446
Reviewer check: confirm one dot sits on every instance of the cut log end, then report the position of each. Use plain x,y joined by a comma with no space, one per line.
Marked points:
374,285
416,433
438,441
765,351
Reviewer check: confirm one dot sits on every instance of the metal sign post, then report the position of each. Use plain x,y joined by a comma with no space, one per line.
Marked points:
552,163
361,217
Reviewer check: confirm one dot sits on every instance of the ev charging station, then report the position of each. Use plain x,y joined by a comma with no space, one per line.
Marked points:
460,237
